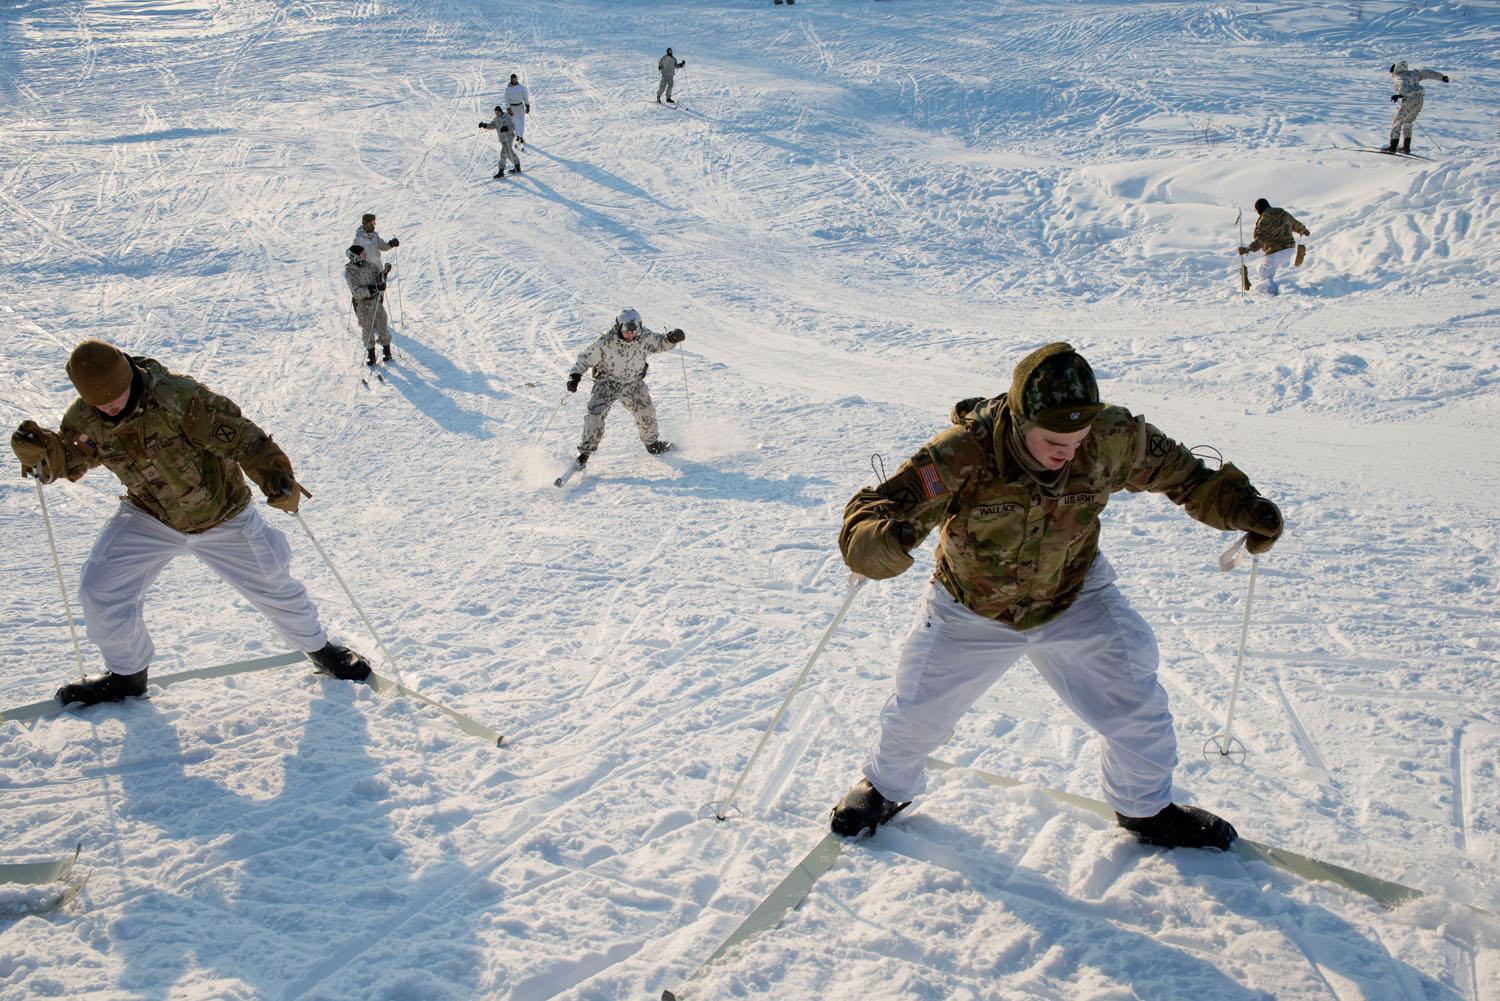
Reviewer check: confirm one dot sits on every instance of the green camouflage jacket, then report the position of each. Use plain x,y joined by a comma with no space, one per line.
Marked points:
1274,229
1008,551
178,452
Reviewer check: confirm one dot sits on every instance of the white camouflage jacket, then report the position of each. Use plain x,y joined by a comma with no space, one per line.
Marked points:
372,243
613,357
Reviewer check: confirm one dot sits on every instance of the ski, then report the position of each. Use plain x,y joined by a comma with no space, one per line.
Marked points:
383,685
35,901
50,707
792,890
1386,152
565,477
40,872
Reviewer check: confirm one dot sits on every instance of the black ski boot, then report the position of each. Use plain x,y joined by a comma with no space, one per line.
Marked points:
515,170
1392,147
341,662
387,352
370,357
1406,145
103,688
1181,827
658,446
583,459
670,101
862,809
499,173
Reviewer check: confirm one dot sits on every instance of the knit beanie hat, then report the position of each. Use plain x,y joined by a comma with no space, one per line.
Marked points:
1054,388
100,372
367,220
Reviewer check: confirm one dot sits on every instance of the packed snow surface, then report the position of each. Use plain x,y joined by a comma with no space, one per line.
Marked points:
860,212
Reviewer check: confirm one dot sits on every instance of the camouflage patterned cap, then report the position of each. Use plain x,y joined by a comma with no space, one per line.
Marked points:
100,372
1054,388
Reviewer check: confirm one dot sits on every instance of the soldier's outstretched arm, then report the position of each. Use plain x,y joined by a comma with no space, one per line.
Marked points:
1223,498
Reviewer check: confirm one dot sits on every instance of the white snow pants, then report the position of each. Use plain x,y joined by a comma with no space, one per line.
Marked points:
1099,656
1272,263
518,115
132,550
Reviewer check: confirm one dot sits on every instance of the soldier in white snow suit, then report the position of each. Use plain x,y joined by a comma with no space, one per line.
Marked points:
618,360
667,65
1015,488
183,452
365,236
366,281
505,129
1408,98
1276,233
518,103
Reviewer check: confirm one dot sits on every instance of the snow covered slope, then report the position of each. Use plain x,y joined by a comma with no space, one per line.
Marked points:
860,212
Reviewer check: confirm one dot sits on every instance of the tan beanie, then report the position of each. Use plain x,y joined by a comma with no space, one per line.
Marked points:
100,372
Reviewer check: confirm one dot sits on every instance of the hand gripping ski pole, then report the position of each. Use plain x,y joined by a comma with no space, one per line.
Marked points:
38,475
1225,745
721,812
352,600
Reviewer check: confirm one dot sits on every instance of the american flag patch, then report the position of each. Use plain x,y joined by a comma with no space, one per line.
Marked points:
930,481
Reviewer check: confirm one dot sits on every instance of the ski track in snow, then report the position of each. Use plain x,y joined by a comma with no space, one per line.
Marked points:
859,213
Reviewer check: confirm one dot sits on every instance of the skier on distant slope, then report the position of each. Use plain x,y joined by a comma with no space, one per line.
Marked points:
504,125
618,360
365,236
366,283
179,448
518,103
1408,98
667,65
1276,233
1016,489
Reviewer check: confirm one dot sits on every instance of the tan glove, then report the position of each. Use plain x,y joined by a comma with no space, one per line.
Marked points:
877,549
40,451
271,470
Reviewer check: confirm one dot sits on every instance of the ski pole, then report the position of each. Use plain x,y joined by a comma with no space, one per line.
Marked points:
552,417
685,394
352,600
856,581
57,563
1428,136
396,299
1228,561
1244,270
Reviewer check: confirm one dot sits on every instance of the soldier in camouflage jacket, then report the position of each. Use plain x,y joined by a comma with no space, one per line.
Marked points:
1015,489
1276,233
179,449
618,360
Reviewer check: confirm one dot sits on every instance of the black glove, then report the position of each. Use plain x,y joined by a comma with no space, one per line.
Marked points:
505,128
528,107
387,269
1445,79
380,286
1244,250
484,125
573,381
1262,520
676,336
395,243
1395,97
